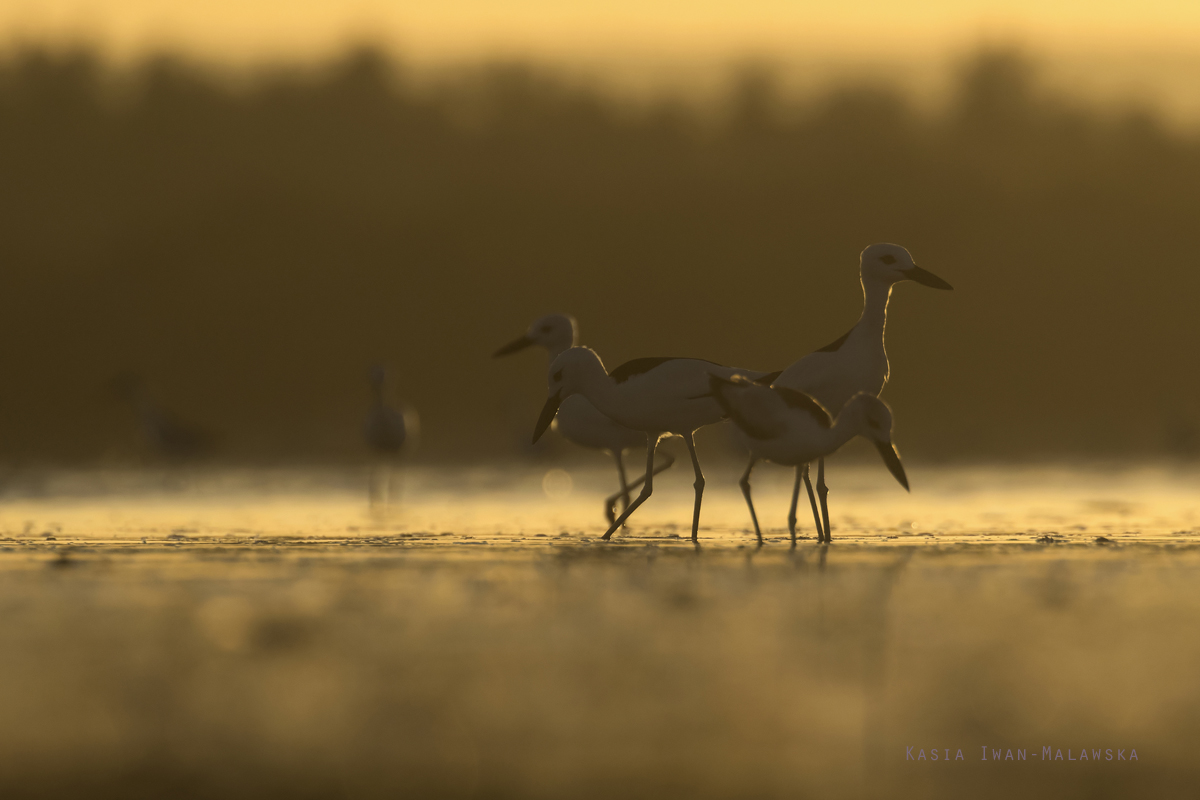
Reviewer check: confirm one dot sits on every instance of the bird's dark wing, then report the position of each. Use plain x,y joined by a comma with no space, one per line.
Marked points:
177,439
800,400
836,344
639,366
769,378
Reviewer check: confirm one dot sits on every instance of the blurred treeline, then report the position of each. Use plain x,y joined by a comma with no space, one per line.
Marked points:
252,245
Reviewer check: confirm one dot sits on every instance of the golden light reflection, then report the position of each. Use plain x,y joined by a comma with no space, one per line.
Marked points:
274,640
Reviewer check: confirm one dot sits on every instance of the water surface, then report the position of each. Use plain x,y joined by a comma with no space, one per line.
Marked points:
234,633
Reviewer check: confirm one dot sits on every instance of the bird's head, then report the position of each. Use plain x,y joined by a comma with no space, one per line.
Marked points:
568,372
891,263
871,417
555,332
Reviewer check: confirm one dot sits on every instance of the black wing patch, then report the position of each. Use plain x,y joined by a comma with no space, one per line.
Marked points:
768,379
794,399
719,387
641,365
836,345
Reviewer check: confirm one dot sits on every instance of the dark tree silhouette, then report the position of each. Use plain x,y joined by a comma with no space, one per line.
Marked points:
252,242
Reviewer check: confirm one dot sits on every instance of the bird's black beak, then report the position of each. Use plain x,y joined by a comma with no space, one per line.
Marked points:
547,415
892,459
923,277
512,347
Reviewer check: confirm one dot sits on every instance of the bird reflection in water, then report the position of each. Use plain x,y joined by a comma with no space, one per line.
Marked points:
390,432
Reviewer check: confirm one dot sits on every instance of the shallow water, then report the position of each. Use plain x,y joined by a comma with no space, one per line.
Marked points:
236,633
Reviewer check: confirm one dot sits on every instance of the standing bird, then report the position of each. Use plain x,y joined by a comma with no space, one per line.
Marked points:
169,437
387,430
855,362
657,396
792,429
578,420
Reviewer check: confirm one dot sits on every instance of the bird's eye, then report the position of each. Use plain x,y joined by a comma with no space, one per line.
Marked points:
558,376
888,259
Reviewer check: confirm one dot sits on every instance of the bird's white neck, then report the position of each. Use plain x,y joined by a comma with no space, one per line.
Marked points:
844,428
600,390
875,302
556,348
851,422
554,351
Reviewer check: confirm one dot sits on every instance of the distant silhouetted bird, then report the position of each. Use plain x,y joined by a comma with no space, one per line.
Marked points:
654,395
578,420
855,362
164,433
389,432
792,429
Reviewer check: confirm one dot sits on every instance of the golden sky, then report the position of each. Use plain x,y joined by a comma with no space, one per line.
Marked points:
449,29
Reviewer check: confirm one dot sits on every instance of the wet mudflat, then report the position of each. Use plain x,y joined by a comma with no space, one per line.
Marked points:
239,634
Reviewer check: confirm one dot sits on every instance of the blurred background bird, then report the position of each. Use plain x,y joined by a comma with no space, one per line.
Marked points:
390,432
165,436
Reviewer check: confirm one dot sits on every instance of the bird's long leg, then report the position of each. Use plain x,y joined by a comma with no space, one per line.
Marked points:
395,483
823,491
812,501
795,500
610,502
388,477
617,454
745,484
647,487
699,485
610,508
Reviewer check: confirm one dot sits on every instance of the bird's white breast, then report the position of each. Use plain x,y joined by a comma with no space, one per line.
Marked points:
859,365
580,422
